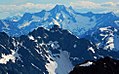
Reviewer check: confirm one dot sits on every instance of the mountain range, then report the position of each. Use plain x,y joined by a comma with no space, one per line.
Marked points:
65,17
47,51
54,41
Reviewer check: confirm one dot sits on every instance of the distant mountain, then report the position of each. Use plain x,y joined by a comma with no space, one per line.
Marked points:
104,37
65,17
53,51
101,66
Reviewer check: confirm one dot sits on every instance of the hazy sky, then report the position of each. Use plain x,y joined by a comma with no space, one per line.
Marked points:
16,7
17,2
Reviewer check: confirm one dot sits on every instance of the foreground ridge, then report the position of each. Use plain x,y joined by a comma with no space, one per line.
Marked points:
102,66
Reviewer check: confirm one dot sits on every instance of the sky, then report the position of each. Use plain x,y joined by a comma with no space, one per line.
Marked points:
18,7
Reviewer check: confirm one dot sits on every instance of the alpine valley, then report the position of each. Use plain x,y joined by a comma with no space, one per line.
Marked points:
55,41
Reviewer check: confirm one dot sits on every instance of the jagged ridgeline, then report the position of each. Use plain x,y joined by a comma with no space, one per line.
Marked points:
46,51
100,28
65,17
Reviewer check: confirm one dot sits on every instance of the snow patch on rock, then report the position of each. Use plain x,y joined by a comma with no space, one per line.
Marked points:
91,49
12,57
86,64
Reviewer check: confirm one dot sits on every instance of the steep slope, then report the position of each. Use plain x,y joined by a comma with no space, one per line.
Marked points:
46,51
101,66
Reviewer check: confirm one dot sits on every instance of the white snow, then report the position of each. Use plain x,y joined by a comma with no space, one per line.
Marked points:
103,29
3,46
38,51
39,37
7,58
110,40
91,49
51,66
35,40
24,24
15,20
41,44
54,44
57,16
110,43
31,37
86,64
102,35
15,43
56,22
95,57
110,46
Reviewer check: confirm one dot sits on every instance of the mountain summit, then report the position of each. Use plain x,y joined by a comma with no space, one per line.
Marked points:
65,17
